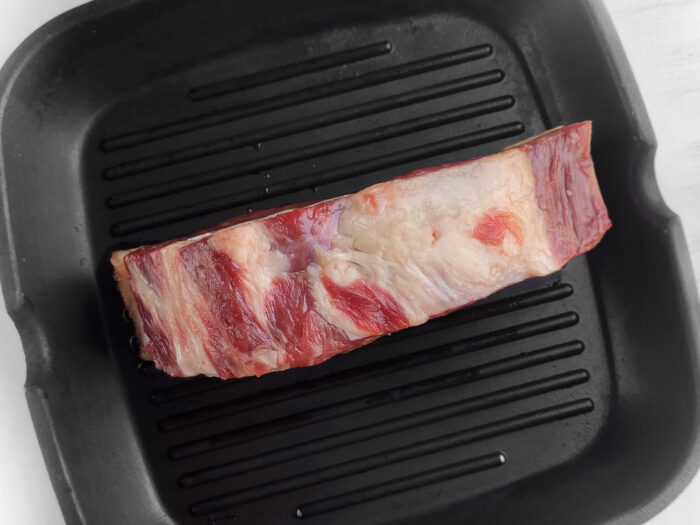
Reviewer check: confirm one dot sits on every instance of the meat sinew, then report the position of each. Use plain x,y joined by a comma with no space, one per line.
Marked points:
295,287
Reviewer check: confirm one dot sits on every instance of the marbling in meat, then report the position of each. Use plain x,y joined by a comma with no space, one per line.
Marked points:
295,287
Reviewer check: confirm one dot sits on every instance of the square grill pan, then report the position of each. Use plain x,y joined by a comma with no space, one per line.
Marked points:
568,399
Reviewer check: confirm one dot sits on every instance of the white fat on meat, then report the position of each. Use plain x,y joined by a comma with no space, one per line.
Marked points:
414,237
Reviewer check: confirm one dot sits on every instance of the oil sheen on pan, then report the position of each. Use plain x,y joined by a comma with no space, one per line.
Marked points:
296,286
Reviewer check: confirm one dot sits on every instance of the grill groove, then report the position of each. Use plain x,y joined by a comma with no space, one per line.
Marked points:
395,486
305,67
297,97
336,116
400,363
390,426
381,459
377,399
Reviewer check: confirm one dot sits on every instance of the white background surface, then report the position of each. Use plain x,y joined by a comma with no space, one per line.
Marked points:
662,41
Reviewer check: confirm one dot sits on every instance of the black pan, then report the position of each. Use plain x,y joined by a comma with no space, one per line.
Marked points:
569,399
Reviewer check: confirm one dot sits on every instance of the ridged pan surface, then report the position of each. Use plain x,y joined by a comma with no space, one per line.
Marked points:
419,419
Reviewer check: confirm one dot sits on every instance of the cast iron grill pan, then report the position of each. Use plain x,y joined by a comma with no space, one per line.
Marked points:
250,107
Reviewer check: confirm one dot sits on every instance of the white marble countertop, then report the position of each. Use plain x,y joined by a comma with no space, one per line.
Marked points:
662,41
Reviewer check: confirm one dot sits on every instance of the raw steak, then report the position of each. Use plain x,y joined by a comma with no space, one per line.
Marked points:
291,288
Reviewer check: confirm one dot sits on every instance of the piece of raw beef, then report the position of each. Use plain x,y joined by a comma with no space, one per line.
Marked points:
289,288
